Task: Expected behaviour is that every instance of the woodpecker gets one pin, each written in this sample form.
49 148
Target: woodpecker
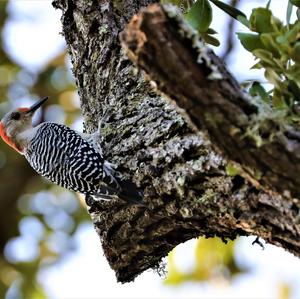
68 158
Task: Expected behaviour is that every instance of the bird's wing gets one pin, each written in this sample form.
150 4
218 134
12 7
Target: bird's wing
76 164
87 173
73 162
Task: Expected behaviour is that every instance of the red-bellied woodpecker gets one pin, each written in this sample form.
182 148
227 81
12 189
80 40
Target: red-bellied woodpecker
65 157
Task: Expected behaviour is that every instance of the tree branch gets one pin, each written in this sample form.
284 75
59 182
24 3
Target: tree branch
188 72
184 180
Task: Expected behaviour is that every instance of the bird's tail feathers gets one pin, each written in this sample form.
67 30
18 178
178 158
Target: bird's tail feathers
126 191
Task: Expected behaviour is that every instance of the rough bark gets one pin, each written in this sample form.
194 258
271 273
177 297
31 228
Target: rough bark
183 179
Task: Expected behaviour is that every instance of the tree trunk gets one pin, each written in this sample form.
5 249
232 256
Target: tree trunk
184 181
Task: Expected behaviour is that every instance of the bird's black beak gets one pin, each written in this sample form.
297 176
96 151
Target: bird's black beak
37 105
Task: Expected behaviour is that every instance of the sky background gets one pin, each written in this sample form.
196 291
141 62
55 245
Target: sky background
32 37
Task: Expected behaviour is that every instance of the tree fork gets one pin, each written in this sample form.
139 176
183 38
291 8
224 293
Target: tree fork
184 181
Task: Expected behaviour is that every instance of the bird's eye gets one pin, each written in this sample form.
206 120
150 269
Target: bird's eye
15 115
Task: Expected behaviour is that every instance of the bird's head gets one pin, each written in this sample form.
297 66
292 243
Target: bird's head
16 122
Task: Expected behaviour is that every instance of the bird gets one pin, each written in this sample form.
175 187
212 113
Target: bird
66 157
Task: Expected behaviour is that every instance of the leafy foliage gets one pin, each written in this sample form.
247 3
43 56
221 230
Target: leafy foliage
276 50
276 47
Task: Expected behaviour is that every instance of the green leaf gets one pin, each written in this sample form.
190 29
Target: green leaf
210 39
211 31
258 90
267 60
273 77
295 2
256 66
262 21
232 11
250 41
298 13
293 72
296 53
278 100
200 15
289 12
268 40
294 89
289 36
244 21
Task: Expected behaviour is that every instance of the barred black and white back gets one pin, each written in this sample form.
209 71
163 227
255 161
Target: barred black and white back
65 158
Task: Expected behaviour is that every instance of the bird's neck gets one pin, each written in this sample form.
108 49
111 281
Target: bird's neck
23 139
